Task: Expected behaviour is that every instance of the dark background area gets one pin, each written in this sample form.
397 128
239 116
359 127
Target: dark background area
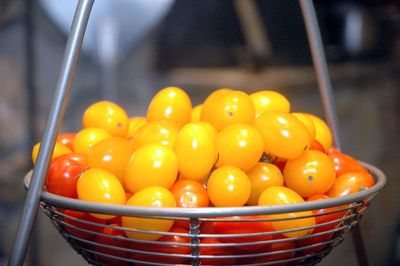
202 46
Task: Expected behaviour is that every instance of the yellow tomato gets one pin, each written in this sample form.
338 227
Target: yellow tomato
211 129
196 151
239 145
267 100
100 186
263 175
228 186
158 132
106 115
278 195
196 112
307 122
111 154
283 135
323 133
87 137
134 124
228 107
171 104
312 173
156 197
151 165
59 149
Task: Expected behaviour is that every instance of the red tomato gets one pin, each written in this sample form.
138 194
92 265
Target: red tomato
67 139
316 145
350 183
76 225
320 218
189 194
216 251
169 249
237 226
108 240
63 175
285 251
280 164
76 157
344 163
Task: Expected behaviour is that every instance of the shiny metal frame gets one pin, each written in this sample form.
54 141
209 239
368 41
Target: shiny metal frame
50 204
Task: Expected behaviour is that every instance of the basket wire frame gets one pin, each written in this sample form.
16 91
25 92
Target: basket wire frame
52 205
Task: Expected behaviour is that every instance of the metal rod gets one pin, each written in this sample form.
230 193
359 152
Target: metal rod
321 67
325 88
53 125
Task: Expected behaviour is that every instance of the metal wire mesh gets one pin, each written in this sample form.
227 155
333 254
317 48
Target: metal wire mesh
197 239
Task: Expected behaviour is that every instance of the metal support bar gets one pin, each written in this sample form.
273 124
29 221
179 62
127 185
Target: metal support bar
325 88
321 67
53 125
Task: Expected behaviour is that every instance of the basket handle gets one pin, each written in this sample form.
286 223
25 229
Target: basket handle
53 125
325 89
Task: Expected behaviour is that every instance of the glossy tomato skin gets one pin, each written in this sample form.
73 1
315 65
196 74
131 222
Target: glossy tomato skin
316 145
350 183
189 194
107 115
154 196
267 101
321 216
278 195
81 225
228 186
111 154
344 163
283 135
312 173
108 240
76 157
100 186
67 139
172 104
195 143
173 248
238 225
63 175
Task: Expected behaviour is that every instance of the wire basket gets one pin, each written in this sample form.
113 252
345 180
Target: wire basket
198 239
205 236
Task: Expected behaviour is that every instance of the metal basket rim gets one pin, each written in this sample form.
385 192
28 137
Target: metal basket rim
79 205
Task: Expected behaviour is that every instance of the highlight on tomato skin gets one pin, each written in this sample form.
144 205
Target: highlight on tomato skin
350 183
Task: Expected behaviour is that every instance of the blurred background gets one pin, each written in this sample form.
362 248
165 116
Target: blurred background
133 48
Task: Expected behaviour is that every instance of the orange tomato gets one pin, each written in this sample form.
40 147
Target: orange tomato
307 122
344 163
100 186
151 165
351 182
228 107
323 133
66 139
134 124
312 173
154 196
107 115
158 132
59 149
87 137
228 186
298 221
196 112
284 135
262 176
268 100
172 104
196 151
111 154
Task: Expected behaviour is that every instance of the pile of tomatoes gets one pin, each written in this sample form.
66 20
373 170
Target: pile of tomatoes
233 150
